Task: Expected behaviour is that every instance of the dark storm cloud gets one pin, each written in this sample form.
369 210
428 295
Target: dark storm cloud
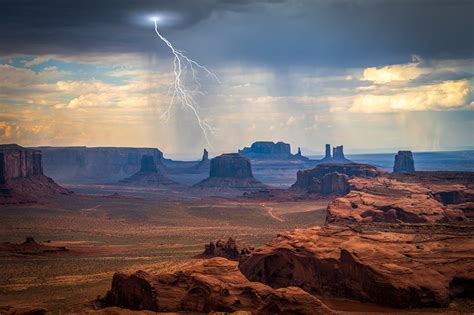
274 33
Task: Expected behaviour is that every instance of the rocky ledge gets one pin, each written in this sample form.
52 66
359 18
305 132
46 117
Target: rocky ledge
207 285
384 199
402 266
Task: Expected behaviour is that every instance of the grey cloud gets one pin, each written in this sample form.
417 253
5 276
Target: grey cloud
339 33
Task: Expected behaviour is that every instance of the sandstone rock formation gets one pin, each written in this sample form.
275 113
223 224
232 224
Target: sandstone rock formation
337 155
207 285
227 249
95 165
230 170
404 162
331 178
383 199
205 156
21 176
30 247
268 150
148 175
403 266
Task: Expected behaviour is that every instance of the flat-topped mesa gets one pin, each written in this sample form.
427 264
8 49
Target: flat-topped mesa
21 176
99 164
337 155
268 150
404 162
329 179
230 170
148 174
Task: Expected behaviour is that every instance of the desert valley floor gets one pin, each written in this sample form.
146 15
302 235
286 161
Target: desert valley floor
107 233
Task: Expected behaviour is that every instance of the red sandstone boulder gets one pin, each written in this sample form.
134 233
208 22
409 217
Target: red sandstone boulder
208 285
402 266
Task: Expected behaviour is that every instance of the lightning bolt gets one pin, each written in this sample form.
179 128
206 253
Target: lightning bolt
181 94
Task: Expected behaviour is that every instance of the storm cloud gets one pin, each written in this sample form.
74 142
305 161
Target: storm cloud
338 33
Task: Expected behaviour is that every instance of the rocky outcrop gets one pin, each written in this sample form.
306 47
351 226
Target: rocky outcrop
387 200
205 156
337 155
30 247
268 150
21 176
207 285
404 162
332 178
224 249
95 165
230 170
148 175
403 266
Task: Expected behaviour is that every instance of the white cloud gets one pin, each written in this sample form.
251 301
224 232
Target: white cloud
445 95
387 74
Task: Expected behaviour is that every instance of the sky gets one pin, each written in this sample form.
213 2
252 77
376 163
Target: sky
373 75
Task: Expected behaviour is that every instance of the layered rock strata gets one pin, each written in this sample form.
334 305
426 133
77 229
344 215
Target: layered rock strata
404 162
207 285
230 170
403 266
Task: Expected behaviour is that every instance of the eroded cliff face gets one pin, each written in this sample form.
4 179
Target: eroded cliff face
204 286
21 176
268 150
384 199
399 266
148 175
18 162
95 165
332 178
230 170
404 162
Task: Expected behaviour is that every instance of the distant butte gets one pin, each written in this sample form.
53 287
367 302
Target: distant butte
230 170
337 155
21 176
148 175
268 150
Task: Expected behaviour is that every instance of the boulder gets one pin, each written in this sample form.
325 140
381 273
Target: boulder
204 286
224 249
403 266
230 170
404 162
